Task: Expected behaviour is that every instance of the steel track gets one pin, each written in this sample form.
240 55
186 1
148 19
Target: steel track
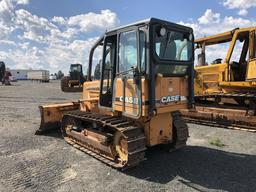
132 133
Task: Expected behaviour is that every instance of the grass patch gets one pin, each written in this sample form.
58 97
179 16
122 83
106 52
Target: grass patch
217 142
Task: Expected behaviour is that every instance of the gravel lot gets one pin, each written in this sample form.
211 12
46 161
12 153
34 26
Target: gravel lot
46 163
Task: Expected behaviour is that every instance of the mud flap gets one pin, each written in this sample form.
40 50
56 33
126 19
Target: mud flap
181 130
52 114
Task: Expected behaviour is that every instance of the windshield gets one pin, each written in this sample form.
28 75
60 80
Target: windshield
173 45
170 45
75 68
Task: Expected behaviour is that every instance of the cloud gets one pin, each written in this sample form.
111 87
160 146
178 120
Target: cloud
211 23
6 11
209 17
74 52
59 20
35 28
7 42
242 5
30 41
8 16
89 21
22 2
243 12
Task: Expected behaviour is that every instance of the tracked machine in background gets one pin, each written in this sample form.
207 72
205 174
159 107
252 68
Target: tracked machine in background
73 82
146 78
225 91
2 71
5 74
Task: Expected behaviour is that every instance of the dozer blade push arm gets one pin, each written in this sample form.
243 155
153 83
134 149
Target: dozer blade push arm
52 114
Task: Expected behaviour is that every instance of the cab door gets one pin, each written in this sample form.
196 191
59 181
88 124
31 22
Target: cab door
251 69
238 57
127 83
108 72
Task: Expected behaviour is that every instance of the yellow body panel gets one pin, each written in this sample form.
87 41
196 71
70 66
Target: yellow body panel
90 96
208 78
251 72
157 132
158 129
219 78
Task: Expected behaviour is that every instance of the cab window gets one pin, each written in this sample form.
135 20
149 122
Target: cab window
173 45
142 50
127 51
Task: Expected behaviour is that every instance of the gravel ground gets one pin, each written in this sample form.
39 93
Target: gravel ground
46 163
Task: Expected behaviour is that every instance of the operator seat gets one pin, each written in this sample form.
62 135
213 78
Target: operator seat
234 70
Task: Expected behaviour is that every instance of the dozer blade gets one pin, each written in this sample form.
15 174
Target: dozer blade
220 117
52 114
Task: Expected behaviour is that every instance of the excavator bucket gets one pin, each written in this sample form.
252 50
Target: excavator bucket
52 114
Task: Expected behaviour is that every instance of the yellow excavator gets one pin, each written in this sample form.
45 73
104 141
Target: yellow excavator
225 90
146 78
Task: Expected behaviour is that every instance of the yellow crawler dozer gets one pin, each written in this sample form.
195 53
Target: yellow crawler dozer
225 90
146 78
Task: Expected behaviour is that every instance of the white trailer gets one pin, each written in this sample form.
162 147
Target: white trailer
39 75
19 74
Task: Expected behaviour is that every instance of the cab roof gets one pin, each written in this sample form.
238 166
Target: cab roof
150 21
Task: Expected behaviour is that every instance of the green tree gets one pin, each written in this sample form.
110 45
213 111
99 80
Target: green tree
60 74
97 71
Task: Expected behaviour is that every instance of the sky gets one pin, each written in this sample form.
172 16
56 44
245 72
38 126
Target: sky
47 34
